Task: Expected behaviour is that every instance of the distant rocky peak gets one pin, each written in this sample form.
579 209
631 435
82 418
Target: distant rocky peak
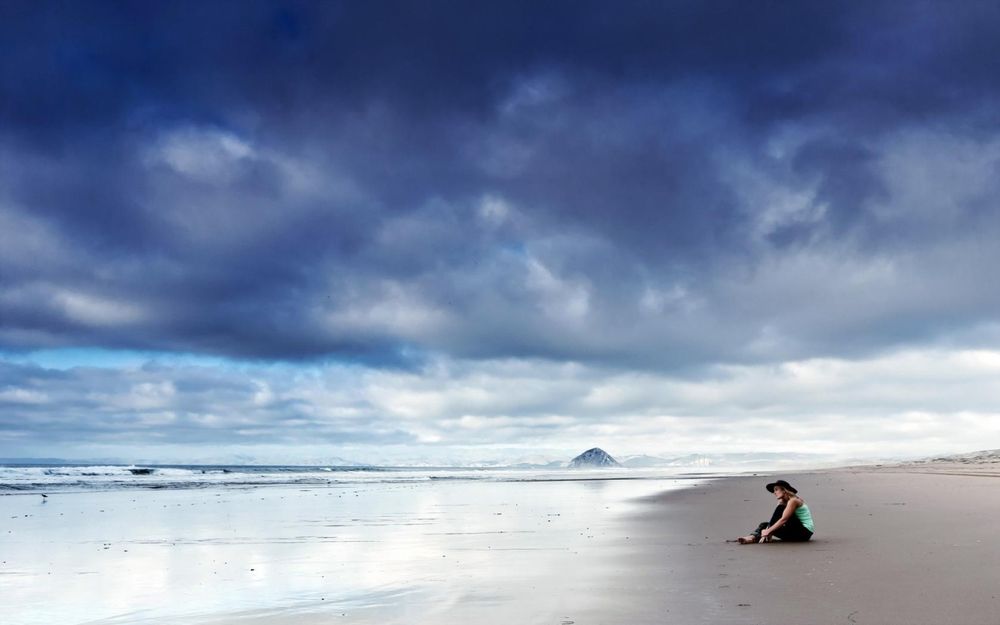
595 457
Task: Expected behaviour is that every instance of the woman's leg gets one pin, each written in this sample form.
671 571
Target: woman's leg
788 531
774 519
754 536
777 514
793 531
760 528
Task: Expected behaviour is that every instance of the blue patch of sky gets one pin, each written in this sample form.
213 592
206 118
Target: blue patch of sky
65 359
70 358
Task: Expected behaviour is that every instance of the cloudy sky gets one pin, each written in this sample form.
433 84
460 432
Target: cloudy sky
453 231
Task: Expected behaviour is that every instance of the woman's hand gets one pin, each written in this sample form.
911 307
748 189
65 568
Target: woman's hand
765 536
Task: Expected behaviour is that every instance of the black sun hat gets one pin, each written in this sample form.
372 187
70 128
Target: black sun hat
783 484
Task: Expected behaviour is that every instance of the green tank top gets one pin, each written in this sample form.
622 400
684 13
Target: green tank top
802 512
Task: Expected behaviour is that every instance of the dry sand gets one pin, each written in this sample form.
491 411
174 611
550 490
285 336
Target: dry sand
902 545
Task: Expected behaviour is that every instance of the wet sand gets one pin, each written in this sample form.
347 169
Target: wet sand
896 545
436 551
905 545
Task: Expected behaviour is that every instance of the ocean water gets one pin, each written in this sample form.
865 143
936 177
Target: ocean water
77 478
309 544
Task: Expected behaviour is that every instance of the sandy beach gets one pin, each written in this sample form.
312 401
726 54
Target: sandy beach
904 545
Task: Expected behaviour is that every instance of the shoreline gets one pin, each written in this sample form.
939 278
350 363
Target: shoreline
436 551
893 545
899 544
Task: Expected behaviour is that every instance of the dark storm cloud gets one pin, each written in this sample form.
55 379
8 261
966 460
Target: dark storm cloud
77 66
644 184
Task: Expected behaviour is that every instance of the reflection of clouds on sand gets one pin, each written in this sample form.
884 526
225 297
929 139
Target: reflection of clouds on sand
386 553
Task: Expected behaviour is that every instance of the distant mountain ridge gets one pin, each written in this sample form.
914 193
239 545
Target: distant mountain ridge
595 457
985 456
748 459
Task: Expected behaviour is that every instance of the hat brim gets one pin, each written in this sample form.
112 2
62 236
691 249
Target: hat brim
784 485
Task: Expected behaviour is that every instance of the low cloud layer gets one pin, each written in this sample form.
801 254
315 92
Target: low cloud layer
659 190
902 404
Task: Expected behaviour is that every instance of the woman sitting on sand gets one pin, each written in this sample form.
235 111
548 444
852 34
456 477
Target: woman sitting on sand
790 522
